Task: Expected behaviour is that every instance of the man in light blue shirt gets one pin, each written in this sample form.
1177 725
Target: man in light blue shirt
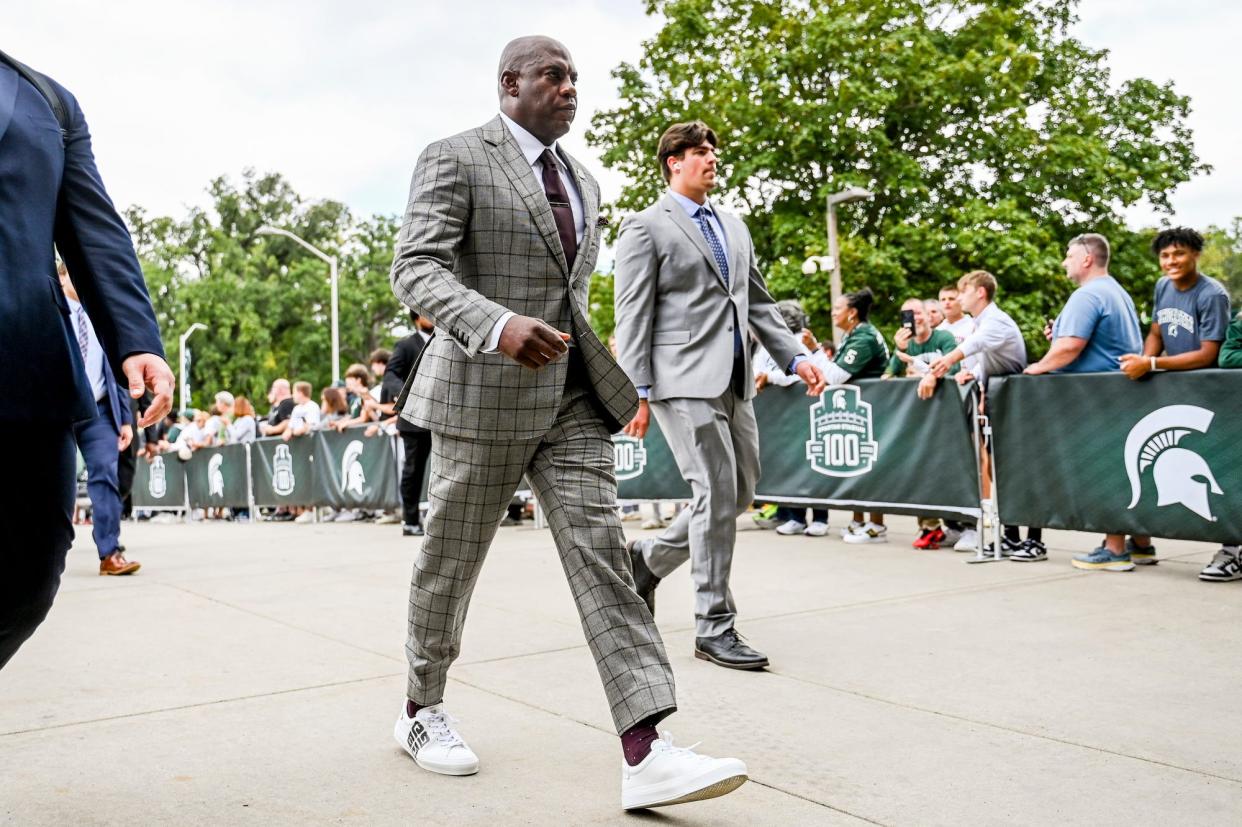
1099 324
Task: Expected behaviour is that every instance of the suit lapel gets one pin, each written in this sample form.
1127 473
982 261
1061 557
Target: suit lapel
584 262
520 174
739 267
692 232
8 97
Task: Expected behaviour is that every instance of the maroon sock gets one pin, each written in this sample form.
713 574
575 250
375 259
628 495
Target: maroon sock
636 742
411 708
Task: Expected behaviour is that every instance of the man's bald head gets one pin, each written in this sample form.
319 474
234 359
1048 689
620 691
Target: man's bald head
537 82
524 53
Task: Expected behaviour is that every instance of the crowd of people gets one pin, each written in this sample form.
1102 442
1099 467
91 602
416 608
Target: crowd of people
964 335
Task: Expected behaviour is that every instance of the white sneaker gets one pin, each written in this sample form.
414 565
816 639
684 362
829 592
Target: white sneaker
816 529
677 775
434 744
851 528
790 528
346 515
650 524
969 541
307 516
951 536
328 515
869 533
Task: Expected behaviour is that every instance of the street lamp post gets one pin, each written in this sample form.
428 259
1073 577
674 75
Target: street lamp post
331 260
185 371
833 259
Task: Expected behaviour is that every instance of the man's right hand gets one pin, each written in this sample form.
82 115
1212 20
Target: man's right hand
532 343
641 421
902 338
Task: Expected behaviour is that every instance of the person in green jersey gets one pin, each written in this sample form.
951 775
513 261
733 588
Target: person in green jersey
863 355
915 351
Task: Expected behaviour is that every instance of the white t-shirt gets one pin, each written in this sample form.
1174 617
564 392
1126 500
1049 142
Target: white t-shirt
191 435
307 412
960 329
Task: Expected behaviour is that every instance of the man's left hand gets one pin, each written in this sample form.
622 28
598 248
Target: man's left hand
147 371
126 436
1135 366
1035 369
811 375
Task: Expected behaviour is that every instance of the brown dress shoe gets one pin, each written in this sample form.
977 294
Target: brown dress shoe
115 563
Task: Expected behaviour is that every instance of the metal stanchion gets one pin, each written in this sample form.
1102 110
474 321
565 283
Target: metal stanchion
987 505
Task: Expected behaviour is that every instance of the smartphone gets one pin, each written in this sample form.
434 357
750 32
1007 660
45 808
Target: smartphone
907 320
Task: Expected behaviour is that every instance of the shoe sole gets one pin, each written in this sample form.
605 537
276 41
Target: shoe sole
1145 561
713 790
866 542
1028 559
130 569
1221 579
748 667
1078 564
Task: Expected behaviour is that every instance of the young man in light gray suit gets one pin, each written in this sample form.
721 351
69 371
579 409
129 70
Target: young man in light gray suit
688 296
497 248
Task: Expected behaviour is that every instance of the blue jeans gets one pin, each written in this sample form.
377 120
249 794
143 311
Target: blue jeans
97 442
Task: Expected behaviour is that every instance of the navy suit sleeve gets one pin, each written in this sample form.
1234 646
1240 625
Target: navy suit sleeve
96 247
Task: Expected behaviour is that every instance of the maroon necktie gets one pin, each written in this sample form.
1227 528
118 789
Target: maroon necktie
562 212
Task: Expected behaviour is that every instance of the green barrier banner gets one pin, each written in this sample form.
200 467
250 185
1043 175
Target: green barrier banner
218 477
353 471
1102 453
283 473
159 483
873 445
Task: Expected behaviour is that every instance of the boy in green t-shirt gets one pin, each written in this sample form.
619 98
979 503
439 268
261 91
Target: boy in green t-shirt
921 347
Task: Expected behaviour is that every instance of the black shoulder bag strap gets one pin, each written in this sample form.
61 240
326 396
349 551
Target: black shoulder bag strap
45 88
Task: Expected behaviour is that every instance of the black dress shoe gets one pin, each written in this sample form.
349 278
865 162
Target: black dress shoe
415 530
727 649
644 581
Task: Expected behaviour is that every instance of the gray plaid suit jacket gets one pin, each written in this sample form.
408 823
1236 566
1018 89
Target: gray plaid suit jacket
479 239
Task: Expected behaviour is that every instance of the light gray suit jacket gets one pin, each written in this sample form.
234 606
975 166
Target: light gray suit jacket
674 315
479 239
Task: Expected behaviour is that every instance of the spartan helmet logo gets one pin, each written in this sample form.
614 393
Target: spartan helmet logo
1181 475
352 475
215 477
158 485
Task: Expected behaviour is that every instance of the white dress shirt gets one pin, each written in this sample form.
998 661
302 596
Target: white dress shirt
532 148
996 344
94 351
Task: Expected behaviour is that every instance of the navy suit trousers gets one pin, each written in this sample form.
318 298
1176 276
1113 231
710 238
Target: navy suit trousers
36 508
97 442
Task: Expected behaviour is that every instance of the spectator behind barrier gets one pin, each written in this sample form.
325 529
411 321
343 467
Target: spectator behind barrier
379 364
1231 350
863 355
216 428
1095 329
1190 320
332 407
358 397
192 436
242 428
305 416
935 313
996 348
1098 325
281 399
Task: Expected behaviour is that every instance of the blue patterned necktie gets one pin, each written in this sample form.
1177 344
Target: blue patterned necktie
84 338
713 241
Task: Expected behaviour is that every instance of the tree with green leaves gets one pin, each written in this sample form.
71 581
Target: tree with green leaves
988 133
266 300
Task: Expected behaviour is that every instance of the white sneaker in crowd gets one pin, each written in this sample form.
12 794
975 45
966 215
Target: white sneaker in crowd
677 775
969 541
851 528
791 527
869 533
652 523
387 518
816 529
346 515
307 516
951 536
328 515
434 743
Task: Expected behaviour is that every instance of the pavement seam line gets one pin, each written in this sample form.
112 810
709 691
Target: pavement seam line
201 704
1004 728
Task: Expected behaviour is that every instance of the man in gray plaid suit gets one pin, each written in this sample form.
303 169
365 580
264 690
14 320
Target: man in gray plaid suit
498 244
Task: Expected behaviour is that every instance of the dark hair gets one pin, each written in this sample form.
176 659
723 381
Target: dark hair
414 317
381 355
861 300
359 372
335 400
678 138
1177 237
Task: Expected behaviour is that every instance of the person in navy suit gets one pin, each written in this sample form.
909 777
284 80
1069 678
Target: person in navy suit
52 199
101 438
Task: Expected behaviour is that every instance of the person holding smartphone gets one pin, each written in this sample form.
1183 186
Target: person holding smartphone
917 343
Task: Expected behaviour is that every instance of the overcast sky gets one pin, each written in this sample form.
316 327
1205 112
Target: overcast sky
341 96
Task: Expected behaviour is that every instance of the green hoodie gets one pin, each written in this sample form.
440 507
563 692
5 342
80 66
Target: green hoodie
1231 350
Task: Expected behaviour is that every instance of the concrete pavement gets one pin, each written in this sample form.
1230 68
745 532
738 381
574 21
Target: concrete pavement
250 674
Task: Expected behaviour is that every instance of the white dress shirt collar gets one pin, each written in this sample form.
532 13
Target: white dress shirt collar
531 146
